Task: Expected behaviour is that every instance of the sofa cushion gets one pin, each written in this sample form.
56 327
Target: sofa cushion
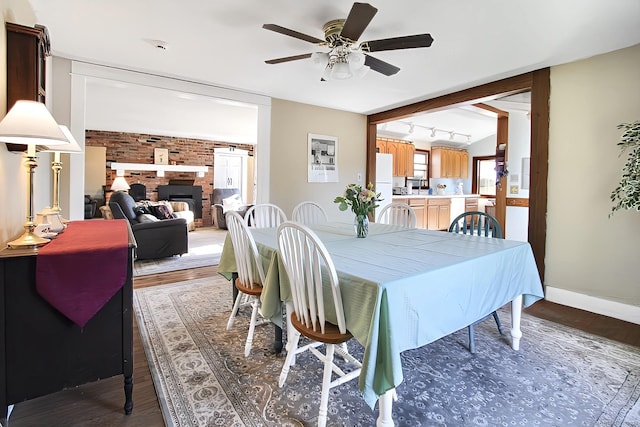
232 203
141 209
147 218
160 211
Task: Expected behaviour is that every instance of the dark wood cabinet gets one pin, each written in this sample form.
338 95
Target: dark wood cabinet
27 49
42 351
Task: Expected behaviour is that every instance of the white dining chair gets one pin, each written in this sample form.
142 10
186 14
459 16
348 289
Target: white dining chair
264 215
249 268
307 262
477 223
309 213
398 213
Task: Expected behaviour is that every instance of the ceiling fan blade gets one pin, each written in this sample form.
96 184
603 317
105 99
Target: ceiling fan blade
406 42
380 66
288 58
292 33
359 17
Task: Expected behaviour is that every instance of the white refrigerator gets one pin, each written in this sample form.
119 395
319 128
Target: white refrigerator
384 179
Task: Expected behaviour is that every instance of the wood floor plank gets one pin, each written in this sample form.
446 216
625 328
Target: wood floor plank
101 403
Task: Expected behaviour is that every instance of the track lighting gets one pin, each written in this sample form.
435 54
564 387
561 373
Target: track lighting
433 130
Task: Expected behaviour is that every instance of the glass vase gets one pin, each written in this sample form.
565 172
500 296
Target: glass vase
361 225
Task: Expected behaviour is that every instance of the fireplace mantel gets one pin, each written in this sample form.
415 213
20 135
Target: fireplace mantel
120 168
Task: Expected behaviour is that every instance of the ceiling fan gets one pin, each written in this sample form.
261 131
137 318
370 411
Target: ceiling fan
347 57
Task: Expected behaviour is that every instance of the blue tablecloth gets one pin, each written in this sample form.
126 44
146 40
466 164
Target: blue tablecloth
404 288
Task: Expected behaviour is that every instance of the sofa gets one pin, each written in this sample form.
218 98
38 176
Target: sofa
223 199
181 210
155 238
89 206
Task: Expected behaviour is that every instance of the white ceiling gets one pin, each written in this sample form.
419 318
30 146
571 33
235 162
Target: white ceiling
222 43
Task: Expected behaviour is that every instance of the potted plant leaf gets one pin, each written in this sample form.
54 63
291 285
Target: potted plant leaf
627 194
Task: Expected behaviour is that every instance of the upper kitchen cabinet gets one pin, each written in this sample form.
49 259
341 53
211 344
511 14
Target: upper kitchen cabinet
402 153
449 163
27 49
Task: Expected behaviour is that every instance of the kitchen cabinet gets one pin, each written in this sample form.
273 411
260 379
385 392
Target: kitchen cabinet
470 204
438 213
419 206
27 49
402 153
449 163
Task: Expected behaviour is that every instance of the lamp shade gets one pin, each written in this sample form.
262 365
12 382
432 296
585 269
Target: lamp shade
71 146
29 122
119 184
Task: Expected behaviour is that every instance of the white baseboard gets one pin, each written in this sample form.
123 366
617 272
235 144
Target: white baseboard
629 313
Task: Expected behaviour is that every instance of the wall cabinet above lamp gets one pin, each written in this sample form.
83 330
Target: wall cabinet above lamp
449 163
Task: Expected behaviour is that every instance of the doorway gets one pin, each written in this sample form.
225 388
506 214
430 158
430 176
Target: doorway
538 83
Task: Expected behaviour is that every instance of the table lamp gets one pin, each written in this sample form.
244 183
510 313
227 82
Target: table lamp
30 123
120 184
53 214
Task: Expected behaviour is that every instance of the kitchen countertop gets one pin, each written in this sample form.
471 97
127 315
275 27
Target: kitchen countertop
435 196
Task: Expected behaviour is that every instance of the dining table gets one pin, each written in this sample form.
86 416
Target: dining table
403 288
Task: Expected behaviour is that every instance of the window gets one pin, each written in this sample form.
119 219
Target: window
420 169
484 176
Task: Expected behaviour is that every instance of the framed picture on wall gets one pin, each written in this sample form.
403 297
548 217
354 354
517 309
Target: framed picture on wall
161 156
322 158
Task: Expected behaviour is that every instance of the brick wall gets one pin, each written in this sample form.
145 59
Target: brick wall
138 148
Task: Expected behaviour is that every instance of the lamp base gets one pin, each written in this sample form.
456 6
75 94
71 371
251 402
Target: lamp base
52 216
28 240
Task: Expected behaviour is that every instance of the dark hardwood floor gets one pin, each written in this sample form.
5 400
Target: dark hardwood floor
101 403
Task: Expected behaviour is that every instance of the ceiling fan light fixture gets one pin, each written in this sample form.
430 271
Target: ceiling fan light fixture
341 71
356 60
320 58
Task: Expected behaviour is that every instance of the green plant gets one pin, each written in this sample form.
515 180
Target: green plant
362 200
627 194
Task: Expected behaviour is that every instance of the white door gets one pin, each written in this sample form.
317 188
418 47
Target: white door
227 171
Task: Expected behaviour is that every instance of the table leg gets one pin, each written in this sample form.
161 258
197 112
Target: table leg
385 405
277 339
516 313
234 290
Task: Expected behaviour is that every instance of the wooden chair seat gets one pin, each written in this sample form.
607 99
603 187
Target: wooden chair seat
331 333
256 290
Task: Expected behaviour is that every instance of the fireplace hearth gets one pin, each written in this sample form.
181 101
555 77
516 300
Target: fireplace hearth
192 194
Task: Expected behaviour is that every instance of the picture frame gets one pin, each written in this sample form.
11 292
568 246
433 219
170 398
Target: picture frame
322 158
161 156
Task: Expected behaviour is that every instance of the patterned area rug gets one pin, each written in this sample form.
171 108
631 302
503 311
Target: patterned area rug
205 247
560 377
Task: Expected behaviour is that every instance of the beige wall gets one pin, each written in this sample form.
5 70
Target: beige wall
94 174
290 124
587 252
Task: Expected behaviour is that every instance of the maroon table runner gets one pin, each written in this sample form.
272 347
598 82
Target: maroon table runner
83 267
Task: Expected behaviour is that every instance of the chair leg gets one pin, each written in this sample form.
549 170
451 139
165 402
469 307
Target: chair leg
326 382
234 311
472 345
292 345
252 326
497 319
